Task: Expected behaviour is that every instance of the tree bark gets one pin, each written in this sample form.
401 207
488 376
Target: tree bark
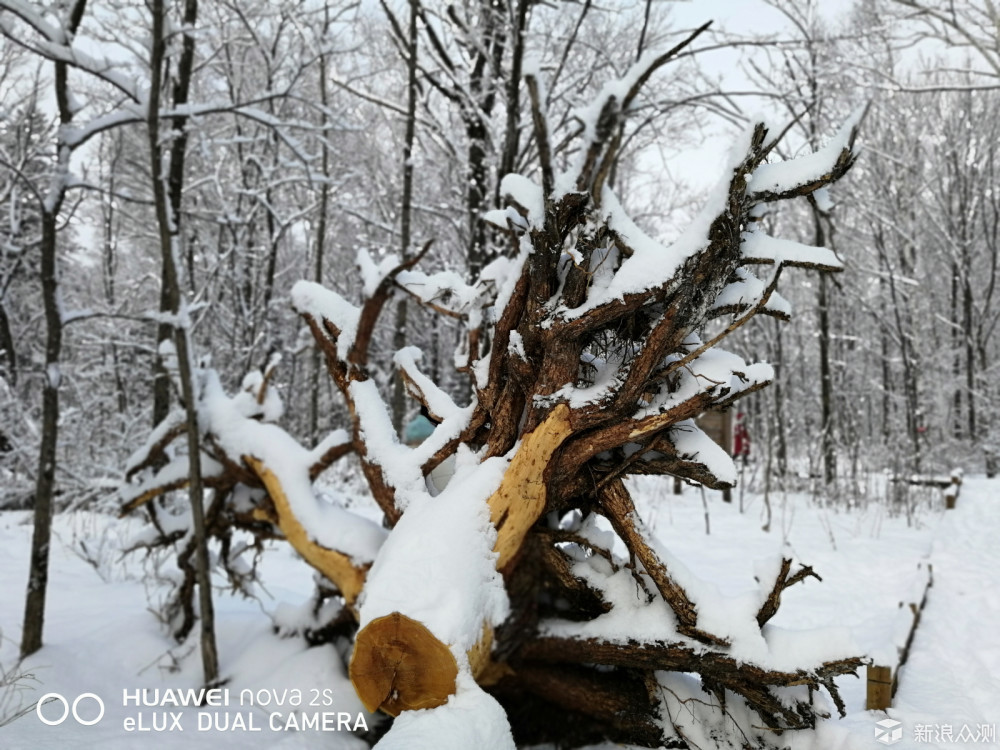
167 195
970 355
321 223
780 427
34 606
828 444
8 356
512 132
476 112
406 209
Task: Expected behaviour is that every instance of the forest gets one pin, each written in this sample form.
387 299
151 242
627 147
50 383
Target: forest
368 340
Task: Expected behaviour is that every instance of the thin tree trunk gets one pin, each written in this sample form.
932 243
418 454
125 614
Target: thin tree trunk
406 211
161 379
167 193
956 362
512 134
34 609
8 356
475 130
34 605
886 373
110 267
482 90
324 205
991 456
904 326
781 430
910 386
970 354
825 373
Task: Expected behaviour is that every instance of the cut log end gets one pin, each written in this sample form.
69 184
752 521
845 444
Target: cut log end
399 665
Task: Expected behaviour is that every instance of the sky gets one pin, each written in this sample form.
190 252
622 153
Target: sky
702 167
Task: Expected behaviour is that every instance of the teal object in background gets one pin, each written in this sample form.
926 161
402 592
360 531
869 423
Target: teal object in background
418 430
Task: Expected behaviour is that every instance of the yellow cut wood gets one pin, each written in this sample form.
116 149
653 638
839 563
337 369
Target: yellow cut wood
520 499
398 664
338 567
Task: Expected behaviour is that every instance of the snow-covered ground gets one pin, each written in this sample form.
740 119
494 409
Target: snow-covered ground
951 684
101 637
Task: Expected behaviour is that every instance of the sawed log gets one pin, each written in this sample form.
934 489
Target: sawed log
398 663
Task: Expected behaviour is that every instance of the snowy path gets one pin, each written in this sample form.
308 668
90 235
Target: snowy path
951 683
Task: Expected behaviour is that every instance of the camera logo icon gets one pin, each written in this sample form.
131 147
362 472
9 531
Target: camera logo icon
888 731
51 697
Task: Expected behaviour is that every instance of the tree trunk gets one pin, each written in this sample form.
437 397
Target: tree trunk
970 355
512 130
321 222
167 195
161 378
110 267
34 606
34 609
780 427
406 209
829 449
419 673
482 92
8 356
956 356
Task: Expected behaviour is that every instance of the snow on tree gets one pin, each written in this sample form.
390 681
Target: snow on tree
500 598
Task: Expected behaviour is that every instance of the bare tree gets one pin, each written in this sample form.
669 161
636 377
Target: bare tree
167 173
51 205
406 206
972 26
805 77
26 142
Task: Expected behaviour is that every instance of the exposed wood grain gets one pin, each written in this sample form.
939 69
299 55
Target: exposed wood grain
338 567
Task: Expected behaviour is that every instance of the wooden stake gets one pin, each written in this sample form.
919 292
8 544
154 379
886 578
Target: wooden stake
951 493
879 688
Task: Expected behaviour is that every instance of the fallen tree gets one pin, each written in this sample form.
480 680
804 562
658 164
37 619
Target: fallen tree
591 348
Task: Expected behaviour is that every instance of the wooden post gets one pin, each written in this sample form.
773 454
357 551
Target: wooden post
883 681
951 493
879 688
950 486
718 425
